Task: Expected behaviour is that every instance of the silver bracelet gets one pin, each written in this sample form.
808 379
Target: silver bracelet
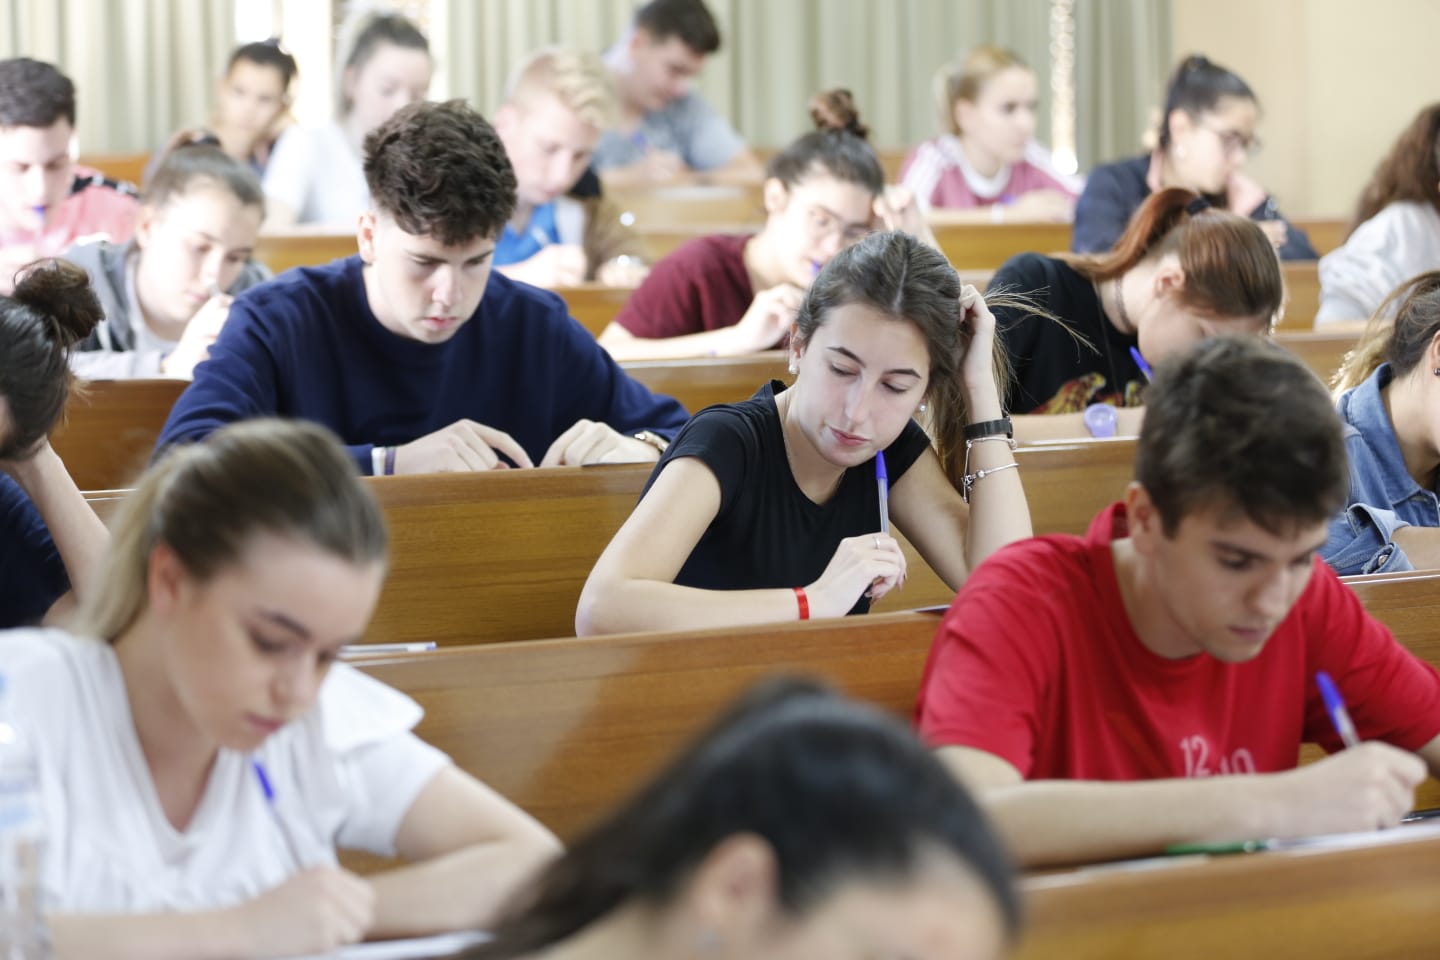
993 436
970 479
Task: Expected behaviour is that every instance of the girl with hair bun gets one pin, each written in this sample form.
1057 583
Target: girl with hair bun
202 756
799 825
1182 270
768 510
1206 135
167 292
986 167
730 294
1390 405
50 539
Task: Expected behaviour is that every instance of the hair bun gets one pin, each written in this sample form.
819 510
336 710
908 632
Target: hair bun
60 291
835 110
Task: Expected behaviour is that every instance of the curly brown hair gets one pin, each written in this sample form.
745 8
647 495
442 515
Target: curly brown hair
1409 172
441 171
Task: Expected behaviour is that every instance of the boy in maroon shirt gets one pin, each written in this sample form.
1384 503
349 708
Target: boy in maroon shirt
1151 683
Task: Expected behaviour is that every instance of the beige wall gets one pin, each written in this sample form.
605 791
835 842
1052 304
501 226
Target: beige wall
1338 79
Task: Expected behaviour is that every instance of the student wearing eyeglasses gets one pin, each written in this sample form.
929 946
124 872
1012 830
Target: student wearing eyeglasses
1206 135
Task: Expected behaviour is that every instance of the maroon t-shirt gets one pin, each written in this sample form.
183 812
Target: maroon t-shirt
701 286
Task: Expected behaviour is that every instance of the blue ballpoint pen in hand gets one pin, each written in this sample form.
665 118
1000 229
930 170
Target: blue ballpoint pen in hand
268 789
1335 706
882 484
1140 362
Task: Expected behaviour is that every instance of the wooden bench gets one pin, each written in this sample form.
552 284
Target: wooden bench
693 205
129 167
110 428
302 246
567 727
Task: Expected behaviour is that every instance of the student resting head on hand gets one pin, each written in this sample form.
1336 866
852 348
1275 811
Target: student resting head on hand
768 510
986 165
733 294
50 539
1183 270
202 754
167 292
1206 135
1391 410
252 101
799 825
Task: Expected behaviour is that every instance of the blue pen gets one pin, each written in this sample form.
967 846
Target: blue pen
1140 362
269 791
882 484
1335 706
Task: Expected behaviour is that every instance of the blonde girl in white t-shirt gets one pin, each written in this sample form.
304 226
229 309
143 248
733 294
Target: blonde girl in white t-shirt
202 761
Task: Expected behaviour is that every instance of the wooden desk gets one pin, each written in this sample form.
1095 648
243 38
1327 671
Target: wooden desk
129 167
1302 290
303 247
1377 903
703 381
110 429
1326 233
594 305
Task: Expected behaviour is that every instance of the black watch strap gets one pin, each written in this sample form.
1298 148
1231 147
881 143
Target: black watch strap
990 428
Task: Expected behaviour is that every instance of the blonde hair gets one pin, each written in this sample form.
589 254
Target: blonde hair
1399 332
965 79
207 501
578 78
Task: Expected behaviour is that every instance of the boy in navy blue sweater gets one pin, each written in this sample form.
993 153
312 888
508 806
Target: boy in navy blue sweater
418 356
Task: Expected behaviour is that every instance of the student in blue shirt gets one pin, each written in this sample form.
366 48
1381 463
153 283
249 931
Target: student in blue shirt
418 356
50 539
1391 410
558 103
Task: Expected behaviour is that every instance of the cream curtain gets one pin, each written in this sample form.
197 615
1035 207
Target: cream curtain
778 52
142 68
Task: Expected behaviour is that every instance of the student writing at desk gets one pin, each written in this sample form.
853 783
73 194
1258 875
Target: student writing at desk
769 510
1182 270
202 755
799 825
727 294
1151 683
413 351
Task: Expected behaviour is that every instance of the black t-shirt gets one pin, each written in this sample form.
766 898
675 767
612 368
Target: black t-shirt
1055 372
767 532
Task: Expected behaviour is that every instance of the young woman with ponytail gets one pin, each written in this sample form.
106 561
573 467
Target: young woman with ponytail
202 755
1183 270
1206 136
1391 408
733 293
767 510
50 540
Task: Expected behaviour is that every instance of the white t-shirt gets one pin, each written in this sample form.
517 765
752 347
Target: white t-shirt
344 775
316 172
1400 241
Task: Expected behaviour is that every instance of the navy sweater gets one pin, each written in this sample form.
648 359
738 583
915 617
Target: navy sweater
1116 190
31 571
306 345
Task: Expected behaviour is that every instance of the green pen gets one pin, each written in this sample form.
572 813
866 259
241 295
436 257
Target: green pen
1219 848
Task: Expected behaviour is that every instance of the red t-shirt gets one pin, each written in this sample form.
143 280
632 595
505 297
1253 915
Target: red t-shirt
1037 663
96 209
701 286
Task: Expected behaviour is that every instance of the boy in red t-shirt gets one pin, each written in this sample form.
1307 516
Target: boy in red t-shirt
1177 643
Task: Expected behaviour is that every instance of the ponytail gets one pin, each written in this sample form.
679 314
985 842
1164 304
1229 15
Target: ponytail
1401 342
1231 268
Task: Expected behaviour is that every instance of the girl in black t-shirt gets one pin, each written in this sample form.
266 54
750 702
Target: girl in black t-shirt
1182 271
769 510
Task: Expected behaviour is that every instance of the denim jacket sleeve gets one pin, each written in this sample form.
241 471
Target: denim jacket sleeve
1362 540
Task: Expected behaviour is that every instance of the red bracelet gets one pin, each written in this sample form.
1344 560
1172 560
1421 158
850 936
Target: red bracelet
803 602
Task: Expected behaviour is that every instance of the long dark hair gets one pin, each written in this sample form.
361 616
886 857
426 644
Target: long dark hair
1409 172
1197 86
52 309
837 790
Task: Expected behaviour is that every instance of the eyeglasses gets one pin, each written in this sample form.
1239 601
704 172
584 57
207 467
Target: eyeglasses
823 225
1233 141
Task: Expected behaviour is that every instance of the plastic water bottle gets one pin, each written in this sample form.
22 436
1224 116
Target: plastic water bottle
22 845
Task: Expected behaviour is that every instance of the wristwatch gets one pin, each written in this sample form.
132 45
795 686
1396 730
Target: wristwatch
654 439
1101 419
